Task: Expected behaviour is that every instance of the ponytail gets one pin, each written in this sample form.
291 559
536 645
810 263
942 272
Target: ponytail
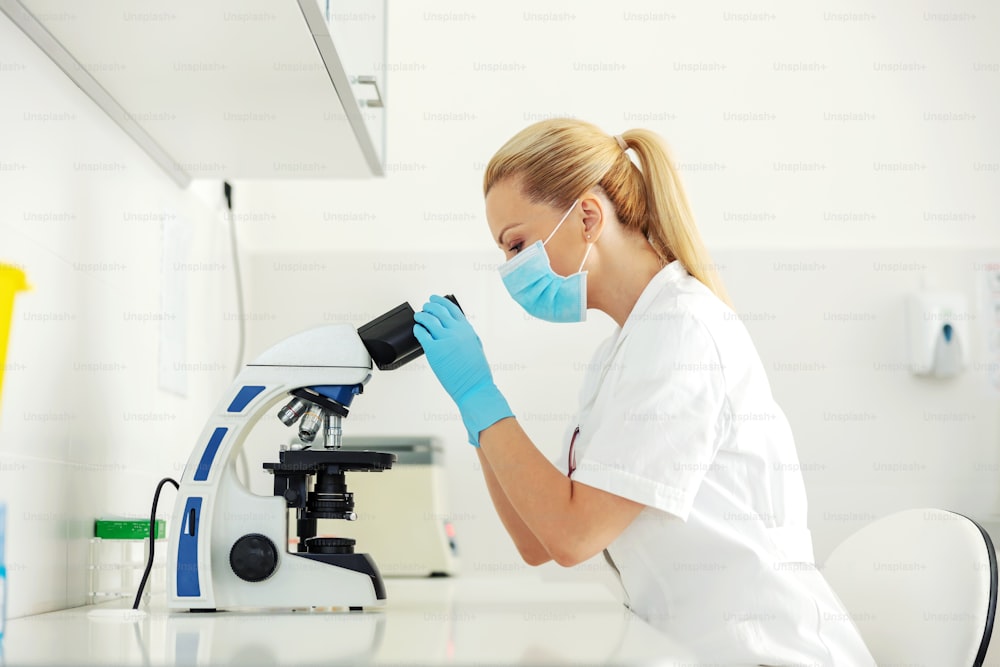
557 160
672 229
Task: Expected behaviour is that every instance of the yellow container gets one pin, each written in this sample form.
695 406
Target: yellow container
12 281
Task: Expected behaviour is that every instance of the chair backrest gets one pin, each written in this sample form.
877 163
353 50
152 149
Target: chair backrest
921 585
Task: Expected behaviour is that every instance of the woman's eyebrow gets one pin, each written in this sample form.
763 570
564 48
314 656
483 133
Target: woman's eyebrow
504 231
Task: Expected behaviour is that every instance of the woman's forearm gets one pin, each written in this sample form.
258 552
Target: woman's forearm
530 548
572 521
534 490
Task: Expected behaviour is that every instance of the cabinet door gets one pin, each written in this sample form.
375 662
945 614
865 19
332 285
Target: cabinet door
221 88
358 29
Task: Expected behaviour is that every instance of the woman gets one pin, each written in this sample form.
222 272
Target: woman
679 466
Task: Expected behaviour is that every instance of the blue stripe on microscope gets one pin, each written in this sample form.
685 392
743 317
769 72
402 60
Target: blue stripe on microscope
187 551
208 456
245 395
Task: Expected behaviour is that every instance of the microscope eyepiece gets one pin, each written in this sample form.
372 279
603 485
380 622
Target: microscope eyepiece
389 337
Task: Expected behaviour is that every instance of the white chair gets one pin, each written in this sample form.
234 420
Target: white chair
921 585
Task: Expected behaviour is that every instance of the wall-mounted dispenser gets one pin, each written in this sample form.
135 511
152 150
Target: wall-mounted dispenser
937 323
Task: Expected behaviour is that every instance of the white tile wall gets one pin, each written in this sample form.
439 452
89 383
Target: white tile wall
85 430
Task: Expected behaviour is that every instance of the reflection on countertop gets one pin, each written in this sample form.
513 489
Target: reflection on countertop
512 620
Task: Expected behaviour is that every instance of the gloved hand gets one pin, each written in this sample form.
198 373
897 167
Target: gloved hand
456 356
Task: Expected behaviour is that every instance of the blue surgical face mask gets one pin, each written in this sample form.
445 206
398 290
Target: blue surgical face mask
542 292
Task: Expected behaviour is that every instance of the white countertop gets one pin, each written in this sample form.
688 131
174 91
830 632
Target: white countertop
455 621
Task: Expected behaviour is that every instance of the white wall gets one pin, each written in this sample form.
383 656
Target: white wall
843 135
86 430
890 124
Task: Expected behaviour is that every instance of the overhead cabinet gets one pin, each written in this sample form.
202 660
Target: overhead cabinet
259 89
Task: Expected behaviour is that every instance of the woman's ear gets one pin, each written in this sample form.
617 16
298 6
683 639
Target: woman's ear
594 216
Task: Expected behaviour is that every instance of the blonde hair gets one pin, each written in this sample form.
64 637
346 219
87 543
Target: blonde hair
557 160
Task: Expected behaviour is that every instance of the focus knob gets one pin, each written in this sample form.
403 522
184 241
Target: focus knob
253 557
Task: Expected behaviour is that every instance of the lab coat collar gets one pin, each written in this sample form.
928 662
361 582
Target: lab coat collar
671 273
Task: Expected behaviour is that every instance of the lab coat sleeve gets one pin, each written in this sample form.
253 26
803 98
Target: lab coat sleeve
659 418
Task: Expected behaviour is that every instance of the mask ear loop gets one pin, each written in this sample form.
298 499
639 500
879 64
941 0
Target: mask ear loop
590 246
562 220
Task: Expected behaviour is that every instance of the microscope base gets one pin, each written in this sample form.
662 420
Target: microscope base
357 562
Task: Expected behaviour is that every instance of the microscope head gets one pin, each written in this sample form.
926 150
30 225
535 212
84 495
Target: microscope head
387 340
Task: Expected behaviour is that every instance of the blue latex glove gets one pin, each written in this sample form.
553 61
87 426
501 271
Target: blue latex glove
456 356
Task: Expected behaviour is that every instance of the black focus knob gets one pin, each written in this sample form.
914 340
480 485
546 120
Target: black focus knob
253 557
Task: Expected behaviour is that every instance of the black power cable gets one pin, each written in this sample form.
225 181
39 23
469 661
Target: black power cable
227 191
152 537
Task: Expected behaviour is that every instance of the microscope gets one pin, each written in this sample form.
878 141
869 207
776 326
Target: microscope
228 547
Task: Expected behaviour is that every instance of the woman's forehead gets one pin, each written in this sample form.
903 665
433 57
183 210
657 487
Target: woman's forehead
504 201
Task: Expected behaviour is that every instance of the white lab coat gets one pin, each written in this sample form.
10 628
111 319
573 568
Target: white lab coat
677 414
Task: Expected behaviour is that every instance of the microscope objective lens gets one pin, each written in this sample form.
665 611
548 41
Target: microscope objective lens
334 431
311 423
291 412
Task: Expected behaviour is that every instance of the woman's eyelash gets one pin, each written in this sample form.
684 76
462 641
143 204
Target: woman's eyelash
516 247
